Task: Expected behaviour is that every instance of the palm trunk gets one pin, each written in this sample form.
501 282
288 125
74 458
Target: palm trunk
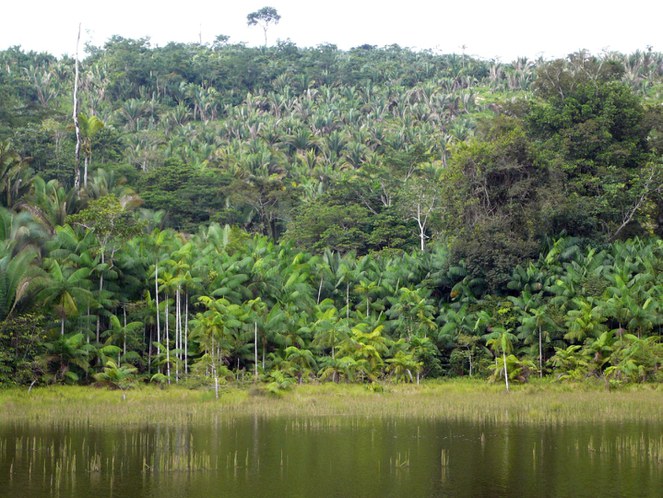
178 325
422 230
470 358
166 341
540 354
101 288
320 289
186 333
506 374
86 161
255 350
124 335
156 300
148 338
77 153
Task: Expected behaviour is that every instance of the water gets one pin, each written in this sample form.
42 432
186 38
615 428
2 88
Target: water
332 457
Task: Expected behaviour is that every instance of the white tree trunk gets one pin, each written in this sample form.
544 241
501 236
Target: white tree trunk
506 374
77 173
255 350
540 354
186 333
166 341
156 300
178 326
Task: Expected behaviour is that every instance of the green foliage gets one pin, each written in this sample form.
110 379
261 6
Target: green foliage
345 216
189 196
118 377
21 345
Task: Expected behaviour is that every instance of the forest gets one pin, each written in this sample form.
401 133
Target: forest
205 214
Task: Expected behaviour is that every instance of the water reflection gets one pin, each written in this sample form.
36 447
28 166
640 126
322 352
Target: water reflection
331 457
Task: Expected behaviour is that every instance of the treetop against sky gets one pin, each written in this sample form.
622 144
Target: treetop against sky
504 30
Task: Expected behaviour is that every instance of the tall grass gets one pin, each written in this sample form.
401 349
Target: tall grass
538 403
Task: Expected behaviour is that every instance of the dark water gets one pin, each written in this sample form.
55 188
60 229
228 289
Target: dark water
252 457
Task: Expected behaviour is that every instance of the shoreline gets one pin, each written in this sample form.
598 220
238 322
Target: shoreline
534 403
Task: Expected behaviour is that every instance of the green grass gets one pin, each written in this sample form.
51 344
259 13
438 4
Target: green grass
535 403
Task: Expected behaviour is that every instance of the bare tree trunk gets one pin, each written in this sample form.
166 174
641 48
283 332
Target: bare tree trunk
178 326
166 340
320 290
186 333
470 358
86 161
506 374
422 229
101 289
540 354
156 300
77 174
255 350
124 336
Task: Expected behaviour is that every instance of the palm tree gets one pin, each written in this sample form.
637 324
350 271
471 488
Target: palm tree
536 320
500 341
17 274
68 356
49 203
302 361
15 175
90 126
64 288
120 333
403 364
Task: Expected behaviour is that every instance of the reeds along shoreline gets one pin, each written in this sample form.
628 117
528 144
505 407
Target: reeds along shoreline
455 400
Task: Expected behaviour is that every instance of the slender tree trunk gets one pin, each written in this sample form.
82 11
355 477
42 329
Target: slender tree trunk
166 341
86 161
333 341
470 358
101 288
124 335
178 325
77 173
422 229
149 349
216 378
320 289
540 354
186 333
156 300
347 300
506 374
255 350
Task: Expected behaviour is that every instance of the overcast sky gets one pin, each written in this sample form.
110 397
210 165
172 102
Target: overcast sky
500 29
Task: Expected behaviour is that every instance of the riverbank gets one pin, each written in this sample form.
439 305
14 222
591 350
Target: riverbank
535 403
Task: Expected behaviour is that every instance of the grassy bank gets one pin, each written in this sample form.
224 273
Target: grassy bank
536 403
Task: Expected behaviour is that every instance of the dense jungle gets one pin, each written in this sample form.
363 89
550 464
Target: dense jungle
211 214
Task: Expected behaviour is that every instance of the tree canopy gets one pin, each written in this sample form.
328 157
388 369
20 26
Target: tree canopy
297 214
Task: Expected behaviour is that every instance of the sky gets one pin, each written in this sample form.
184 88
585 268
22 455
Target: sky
489 29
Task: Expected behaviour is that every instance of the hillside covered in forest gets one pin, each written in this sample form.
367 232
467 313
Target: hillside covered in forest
313 214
